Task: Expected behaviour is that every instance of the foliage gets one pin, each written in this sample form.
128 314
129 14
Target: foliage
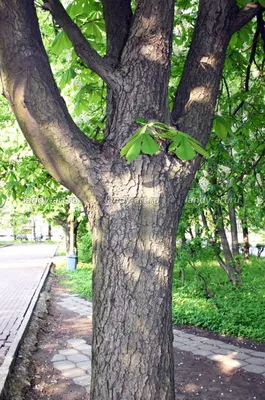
237 311
146 138
84 242
78 281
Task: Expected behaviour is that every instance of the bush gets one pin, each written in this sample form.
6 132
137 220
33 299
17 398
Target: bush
84 242
84 246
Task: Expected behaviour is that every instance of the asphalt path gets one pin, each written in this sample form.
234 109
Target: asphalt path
27 252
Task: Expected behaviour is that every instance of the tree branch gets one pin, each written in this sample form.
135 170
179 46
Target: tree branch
198 90
118 17
261 29
82 47
245 15
28 84
251 59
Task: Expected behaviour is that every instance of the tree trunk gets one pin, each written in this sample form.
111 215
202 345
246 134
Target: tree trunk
49 231
66 237
134 208
34 230
234 233
244 223
229 266
134 239
245 239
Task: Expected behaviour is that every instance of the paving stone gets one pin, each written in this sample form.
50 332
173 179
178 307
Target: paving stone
256 361
74 373
240 356
82 347
181 347
82 380
78 358
257 353
68 352
87 352
257 369
234 363
87 388
58 357
218 357
207 347
64 365
216 343
76 342
190 348
228 346
86 365
218 350
204 353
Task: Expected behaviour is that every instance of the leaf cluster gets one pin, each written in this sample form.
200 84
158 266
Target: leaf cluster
146 140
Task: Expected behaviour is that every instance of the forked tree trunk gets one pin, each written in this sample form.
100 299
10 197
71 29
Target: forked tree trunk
134 240
133 209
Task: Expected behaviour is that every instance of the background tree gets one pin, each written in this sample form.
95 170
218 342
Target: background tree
133 208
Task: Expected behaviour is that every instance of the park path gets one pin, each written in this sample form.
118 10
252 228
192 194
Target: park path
22 268
74 360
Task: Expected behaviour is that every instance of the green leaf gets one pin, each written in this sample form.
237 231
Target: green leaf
61 43
134 150
200 150
174 145
134 137
67 77
185 151
262 3
149 145
221 127
141 121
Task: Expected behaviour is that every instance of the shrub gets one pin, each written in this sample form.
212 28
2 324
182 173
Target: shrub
84 242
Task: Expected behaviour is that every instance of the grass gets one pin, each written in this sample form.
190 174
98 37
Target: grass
79 281
237 311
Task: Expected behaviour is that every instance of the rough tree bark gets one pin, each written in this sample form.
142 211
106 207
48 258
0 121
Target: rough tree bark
133 209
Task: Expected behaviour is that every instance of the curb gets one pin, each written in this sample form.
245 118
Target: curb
6 245
10 358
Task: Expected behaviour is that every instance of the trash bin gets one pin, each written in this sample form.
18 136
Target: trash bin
71 261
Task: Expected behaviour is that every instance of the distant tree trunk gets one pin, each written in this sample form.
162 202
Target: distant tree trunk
34 230
244 223
49 231
245 239
229 265
234 232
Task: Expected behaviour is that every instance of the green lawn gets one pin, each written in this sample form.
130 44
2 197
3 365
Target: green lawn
237 311
79 281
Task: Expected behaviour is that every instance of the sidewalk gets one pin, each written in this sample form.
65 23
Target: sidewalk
20 284
231 357
205 369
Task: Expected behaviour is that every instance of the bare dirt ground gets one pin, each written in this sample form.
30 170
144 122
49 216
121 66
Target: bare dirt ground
196 377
